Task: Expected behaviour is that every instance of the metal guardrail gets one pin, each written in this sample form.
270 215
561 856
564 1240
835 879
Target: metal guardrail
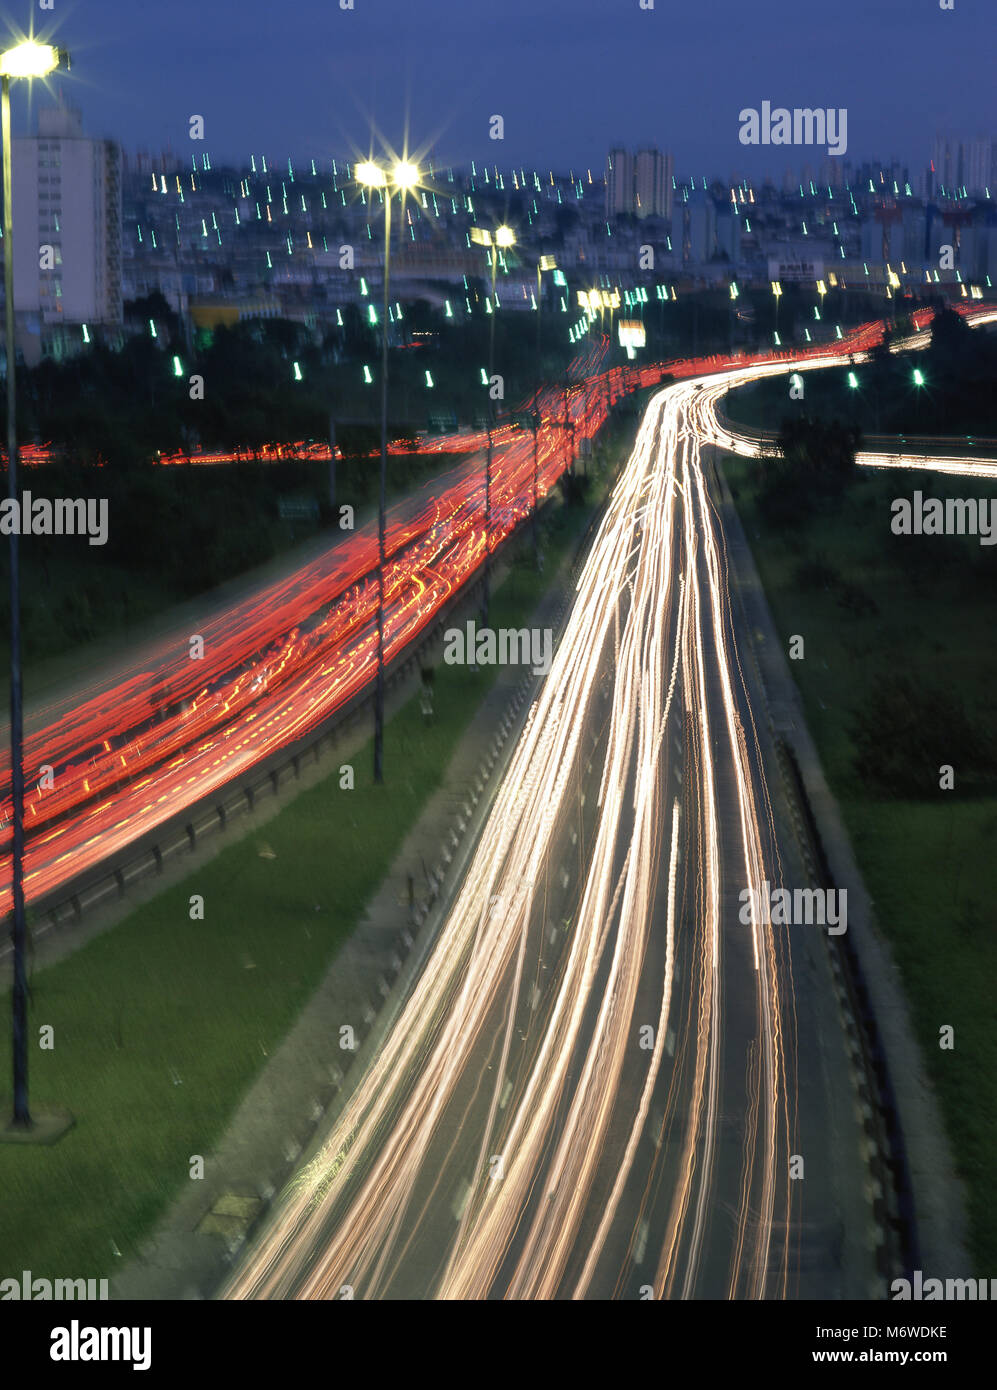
877 443
894 1207
882 1123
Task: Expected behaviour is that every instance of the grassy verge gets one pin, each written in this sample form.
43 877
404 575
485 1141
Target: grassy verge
162 1024
928 863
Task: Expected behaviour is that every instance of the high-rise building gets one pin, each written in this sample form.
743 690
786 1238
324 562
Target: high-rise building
979 164
728 232
832 175
915 234
948 161
67 225
641 184
619 182
882 237
980 252
961 165
653 183
144 162
699 230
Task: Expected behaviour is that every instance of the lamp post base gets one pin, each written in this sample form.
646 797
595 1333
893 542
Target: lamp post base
48 1124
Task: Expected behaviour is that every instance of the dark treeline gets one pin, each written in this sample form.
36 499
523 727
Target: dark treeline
955 397
174 533
178 531
126 406
812 470
959 367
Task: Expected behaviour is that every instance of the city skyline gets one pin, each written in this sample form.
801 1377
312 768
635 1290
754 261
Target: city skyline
497 782
589 81
952 155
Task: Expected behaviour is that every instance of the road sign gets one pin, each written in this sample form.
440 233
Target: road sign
297 508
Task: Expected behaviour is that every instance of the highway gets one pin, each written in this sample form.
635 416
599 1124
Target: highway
130 748
597 1083
133 746
599 1080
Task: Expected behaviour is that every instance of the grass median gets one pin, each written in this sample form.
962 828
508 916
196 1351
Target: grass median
871 606
162 1023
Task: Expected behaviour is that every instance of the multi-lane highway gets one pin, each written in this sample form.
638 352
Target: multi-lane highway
139 744
602 1076
599 1082
605 1083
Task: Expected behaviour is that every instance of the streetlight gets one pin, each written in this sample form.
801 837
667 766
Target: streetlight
777 291
918 378
544 263
401 177
892 285
855 385
502 237
28 59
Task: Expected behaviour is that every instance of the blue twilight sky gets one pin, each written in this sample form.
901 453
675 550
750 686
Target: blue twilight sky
569 77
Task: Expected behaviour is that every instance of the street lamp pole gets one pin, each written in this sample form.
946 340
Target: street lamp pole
486 584
379 682
26 60
404 175
544 263
502 237
19 996
536 427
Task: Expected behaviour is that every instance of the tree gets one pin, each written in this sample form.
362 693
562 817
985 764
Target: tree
814 465
905 731
952 339
152 306
823 452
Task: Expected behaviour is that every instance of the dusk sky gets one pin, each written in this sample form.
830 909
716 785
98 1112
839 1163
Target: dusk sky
569 77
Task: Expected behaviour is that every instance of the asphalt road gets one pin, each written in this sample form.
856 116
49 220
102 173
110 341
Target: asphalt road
603 1078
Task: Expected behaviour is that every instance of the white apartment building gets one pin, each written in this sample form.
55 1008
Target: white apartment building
653 183
619 182
67 229
640 184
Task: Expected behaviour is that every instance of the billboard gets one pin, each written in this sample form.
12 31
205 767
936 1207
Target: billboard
632 333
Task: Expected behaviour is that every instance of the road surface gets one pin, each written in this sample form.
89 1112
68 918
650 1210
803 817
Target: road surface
602 1080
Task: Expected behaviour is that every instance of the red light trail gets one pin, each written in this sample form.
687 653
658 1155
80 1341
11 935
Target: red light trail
152 740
